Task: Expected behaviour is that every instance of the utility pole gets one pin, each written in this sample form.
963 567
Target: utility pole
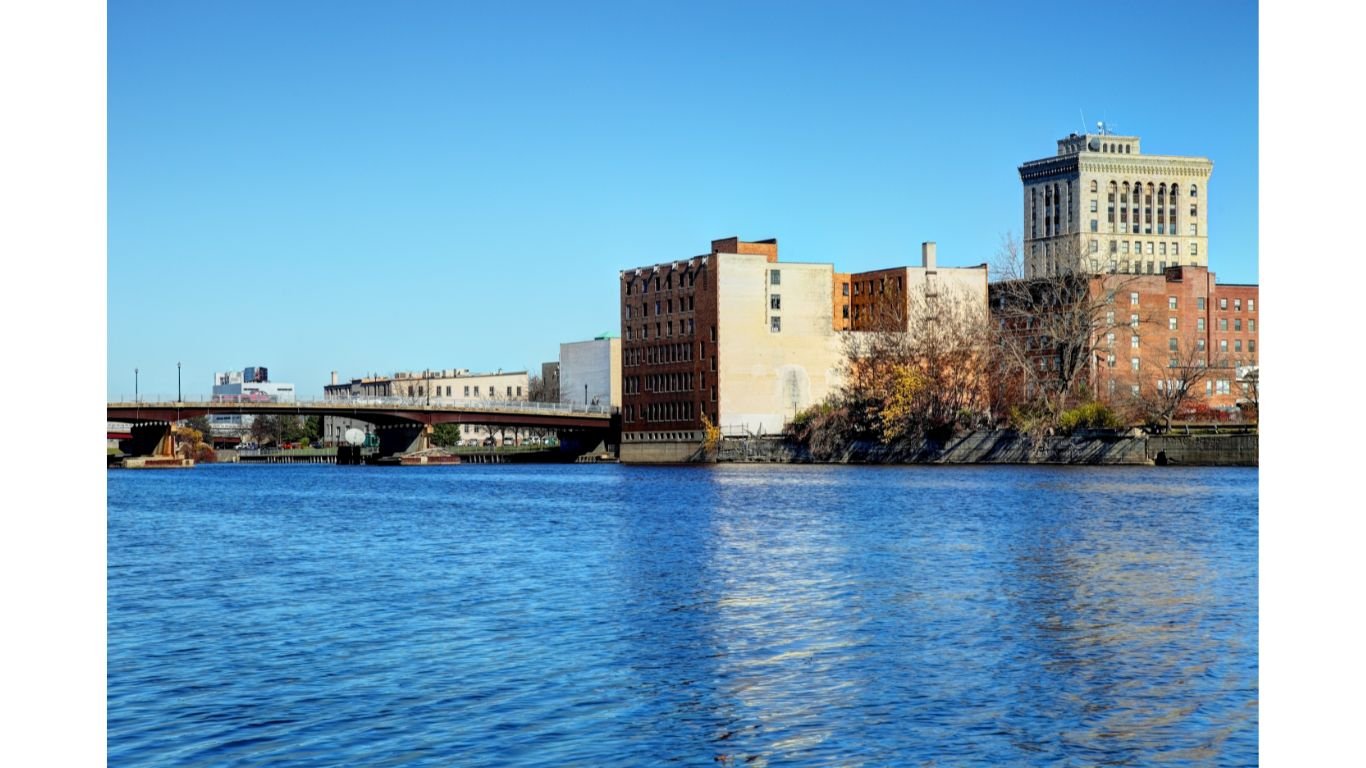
178 397
135 385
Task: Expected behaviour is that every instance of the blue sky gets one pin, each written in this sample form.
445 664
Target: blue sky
388 186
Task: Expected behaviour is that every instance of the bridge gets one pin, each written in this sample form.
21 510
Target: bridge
403 424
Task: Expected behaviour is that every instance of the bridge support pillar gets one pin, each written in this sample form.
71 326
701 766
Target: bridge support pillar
149 439
403 438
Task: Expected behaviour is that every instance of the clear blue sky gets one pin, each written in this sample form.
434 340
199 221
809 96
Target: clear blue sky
389 186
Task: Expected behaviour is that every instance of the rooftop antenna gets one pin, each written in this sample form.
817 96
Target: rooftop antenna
1100 126
1083 120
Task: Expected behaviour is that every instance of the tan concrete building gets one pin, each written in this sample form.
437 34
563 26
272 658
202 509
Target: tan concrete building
739 339
1100 206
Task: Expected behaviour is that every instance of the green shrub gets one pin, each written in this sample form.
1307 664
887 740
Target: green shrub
1092 415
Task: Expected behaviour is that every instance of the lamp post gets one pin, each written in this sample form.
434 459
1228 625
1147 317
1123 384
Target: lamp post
135 385
178 397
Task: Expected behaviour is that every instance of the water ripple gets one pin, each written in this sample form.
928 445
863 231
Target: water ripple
747 616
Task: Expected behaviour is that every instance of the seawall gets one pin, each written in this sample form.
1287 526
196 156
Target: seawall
979 447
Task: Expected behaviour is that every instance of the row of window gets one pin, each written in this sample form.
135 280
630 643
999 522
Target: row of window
1199 304
681 410
421 391
662 330
666 307
664 353
685 280
663 382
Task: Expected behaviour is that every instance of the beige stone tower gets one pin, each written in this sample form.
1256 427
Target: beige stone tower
1101 206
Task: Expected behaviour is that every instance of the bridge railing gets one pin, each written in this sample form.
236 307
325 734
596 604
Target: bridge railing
519 406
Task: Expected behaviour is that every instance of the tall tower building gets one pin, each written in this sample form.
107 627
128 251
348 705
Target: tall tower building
1101 206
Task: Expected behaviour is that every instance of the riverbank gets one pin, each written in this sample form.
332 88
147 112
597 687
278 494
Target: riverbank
1000 447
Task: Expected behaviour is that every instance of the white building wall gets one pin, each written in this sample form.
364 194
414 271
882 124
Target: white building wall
764 377
591 370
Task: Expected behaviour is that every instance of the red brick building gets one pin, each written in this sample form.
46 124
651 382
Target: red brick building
1152 325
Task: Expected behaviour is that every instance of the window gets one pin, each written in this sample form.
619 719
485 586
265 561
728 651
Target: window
775 301
1095 206
1171 302
1133 299
1193 193
775 277
775 324
467 390
1200 345
1109 339
1171 345
1237 323
1110 360
1194 208
1114 248
1223 323
1162 249
1171 323
476 392
1200 302
1237 345
1095 244
1221 387
1133 390
1133 320
1124 248
1095 187
1251 345
1199 323
509 391
1223 303
1133 342
1109 318
1095 226
1252 305
1133 363
1251 326
1223 345
845 288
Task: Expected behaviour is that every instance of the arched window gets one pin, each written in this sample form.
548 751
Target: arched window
1194 193
1095 186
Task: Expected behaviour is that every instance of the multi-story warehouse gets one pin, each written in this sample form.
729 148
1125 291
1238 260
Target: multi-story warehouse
739 340
1101 206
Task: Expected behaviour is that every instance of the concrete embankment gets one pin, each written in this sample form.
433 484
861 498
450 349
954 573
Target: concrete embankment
983 447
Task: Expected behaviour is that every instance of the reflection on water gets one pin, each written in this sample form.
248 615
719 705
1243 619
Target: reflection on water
603 615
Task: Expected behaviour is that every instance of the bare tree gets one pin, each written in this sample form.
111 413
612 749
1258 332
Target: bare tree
539 391
1047 332
1170 382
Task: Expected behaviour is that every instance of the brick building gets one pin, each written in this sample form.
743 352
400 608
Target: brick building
738 339
1151 326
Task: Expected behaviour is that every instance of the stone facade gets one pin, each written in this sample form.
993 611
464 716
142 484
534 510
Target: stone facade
1100 206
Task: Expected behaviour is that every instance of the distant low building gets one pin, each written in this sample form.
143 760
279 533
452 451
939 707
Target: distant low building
248 385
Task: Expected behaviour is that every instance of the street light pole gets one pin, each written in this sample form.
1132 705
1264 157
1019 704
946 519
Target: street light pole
178 397
135 385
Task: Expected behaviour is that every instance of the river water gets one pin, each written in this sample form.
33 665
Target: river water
306 615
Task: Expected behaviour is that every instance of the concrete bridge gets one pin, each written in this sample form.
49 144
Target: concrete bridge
403 424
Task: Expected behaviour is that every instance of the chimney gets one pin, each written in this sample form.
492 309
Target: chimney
334 378
927 255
